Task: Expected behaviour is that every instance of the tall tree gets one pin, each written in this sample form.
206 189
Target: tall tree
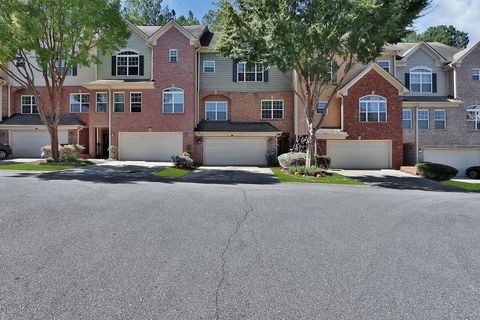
212 18
41 40
448 35
147 12
188 20
310 37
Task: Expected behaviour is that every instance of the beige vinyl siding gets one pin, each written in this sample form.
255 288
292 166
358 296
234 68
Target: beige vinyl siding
222 78
421 58
135 42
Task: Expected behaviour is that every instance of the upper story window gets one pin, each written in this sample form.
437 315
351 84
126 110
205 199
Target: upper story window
135 102
385 64
173 100
119 102
421 80
473 117
128 63
173 55
216 110
102 102
272 109
373 109
208 66
440 120
476 74
407 119
423 119
79 102
250 72
71 72
321 106
29 105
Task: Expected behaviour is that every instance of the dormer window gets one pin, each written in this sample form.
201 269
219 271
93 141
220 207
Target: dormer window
421 80
128 64
173 55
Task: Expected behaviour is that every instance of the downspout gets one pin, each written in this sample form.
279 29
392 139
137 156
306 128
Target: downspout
295 104
415 123
197 87
1 102
341 114
9 100
110 117
455 83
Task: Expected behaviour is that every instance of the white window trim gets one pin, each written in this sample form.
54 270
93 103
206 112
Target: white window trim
444 118
326 105
96 101
124 101
137 54
476 121
32 98
378 112
428 119
389 65
80 94
170 55
141 101
173 109
272 118
476 70
412 71
256 72
216 110
411 118
214 66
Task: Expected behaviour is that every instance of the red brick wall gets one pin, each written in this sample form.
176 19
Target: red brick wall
4 102
373 83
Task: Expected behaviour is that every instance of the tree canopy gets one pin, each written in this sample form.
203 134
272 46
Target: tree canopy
188 20
147 12
448 35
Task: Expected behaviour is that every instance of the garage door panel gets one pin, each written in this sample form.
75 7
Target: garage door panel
149 146
235 151
28 144
360 154
460 159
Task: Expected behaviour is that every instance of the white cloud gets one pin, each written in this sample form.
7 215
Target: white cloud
462 14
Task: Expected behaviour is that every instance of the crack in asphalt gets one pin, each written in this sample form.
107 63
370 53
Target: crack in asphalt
239 223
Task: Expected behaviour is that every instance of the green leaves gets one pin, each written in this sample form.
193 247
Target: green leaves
448 35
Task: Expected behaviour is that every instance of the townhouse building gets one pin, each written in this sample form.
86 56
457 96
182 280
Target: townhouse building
168 91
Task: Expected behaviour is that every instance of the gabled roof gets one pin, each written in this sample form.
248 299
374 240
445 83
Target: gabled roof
137 30
34 120
193 33
405 49
376 67
405 54
458 57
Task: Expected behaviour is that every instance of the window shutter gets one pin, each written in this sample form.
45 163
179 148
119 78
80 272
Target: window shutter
265 75
75 70
234 72
407 80
434 82
141 66
114 65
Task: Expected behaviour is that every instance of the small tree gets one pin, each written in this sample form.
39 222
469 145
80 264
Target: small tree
313 38
44 39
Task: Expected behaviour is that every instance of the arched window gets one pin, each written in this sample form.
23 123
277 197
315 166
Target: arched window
421 80
373 109
128 63
173 100
473 117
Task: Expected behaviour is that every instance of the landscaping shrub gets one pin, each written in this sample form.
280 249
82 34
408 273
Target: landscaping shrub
287 160
112 152
313 171
436 171
182 161
294 169
68 152
323 161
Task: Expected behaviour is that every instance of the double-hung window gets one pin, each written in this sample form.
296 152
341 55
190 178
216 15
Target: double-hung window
118 102
71 72
373 109
208 66
173 100
440 120
423 119
79 102
250 72
128 63
321 106
476 74
272 109
29 105
216 110
102 102
173 55
135 102
421 80
473 117
407 119
385 64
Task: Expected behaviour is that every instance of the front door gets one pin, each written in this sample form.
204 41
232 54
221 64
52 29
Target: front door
106 143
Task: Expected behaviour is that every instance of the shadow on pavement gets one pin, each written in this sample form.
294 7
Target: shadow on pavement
406 183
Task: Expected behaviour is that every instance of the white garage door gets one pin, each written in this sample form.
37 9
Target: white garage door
149 146
460 159
235 151
360 154
27 144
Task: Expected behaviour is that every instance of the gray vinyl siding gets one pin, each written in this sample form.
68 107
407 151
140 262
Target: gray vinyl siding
222 78
420 58
135 42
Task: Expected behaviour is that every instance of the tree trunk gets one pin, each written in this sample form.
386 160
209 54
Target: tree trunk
53 130
310 145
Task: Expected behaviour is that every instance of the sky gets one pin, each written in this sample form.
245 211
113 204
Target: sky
462 14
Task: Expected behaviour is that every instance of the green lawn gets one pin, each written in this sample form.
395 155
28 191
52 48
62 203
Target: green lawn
474 187
333 179
172 173
33 167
